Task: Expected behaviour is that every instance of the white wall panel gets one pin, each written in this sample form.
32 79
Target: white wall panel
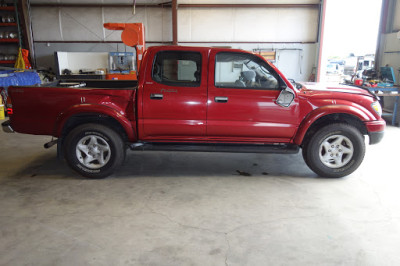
79 24
86 24
248 2
159 24
152 2
248 24
297 24
46 24
93 2
206 24
256 24
392 43
396 20
122 15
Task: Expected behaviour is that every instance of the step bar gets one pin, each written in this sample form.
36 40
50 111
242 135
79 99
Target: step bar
216 147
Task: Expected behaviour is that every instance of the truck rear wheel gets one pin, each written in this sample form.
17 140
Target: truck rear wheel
335 150
94 150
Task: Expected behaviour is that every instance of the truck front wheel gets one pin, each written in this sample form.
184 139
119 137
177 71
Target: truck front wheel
94 150
335 150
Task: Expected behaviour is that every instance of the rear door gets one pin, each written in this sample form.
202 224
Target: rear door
175 96
241 101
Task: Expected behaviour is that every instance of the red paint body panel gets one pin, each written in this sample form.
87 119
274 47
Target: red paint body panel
249 114
44 110
376 126
181 114
191 114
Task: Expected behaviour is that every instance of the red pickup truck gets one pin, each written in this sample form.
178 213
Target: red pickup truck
200 99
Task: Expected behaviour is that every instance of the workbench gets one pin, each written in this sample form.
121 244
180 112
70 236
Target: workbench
388 92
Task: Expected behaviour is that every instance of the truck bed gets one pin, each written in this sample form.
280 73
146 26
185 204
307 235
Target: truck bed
40 109
94 83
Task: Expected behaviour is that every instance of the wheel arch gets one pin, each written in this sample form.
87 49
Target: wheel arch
78 119
93 113
96 118
311 125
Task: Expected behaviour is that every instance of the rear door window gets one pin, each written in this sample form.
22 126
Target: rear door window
177 68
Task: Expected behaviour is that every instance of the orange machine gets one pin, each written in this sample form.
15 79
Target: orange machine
133 36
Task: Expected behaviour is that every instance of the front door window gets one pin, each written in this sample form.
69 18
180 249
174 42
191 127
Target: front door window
244 71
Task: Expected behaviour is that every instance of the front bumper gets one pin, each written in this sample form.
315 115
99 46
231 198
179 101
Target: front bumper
7 127
375 137
376 130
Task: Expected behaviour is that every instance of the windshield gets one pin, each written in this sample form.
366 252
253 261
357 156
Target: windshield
296 84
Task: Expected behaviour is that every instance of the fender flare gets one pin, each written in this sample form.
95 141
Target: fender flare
97 109
357 112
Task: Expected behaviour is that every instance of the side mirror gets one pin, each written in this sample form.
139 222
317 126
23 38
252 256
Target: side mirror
285 98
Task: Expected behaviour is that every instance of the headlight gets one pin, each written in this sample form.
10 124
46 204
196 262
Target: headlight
377 107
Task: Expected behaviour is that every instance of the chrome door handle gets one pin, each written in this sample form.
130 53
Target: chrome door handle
221 99
154 96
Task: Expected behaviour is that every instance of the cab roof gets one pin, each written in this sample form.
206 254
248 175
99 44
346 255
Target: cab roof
194 48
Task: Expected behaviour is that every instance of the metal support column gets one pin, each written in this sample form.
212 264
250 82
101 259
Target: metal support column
175 22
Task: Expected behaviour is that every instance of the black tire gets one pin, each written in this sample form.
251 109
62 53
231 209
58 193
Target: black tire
304 153
101 150
335 150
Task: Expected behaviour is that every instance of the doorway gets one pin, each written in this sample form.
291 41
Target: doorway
349 39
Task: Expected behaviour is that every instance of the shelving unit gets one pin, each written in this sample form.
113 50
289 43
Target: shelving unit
9 40
6 62
9 46
10 24
7 8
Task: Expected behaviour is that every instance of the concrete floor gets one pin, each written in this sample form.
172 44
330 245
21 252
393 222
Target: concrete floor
195 209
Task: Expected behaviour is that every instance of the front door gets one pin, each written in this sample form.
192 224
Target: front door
242 101
175 96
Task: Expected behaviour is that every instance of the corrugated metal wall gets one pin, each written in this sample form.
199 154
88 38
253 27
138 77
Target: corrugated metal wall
294 31
390 48
86 24
248 25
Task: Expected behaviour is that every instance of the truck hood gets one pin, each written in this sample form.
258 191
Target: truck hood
332 88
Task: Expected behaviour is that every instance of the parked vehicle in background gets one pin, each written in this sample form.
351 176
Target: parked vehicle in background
356 65
334 68
200 99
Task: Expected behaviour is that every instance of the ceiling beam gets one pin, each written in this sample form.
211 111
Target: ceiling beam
49 41
169 4
175 22
249 5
